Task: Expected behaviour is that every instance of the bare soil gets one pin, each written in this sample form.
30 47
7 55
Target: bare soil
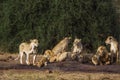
7 62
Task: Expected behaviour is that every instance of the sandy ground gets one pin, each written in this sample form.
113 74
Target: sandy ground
62 69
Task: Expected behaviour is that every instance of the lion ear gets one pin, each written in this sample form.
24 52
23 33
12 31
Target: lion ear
103 48
110 38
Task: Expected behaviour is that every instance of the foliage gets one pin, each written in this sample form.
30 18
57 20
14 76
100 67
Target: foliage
52 20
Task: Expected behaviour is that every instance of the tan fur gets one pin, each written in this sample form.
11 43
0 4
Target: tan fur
61 46
113 46
76 48
61 56
52 59
95 59
73 56
101 50
102 56
48 53
42 62
28 48
50 56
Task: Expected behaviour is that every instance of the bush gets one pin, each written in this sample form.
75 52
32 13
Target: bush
51 20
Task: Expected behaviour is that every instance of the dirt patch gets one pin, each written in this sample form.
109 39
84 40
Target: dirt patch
8 62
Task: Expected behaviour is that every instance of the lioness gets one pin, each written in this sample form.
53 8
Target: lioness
42 62
52 58
77 48
48 53
102 56
28 48
113 46
62 56
55 57
95 59
61 46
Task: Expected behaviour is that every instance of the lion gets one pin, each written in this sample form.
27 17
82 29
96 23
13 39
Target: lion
102 56
62 56
85 58
28 48
76 48
56 57
95 59
52 59
48 53
113 47
101 50
61 46
42 62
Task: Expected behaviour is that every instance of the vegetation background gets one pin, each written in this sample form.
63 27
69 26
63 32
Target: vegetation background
51 20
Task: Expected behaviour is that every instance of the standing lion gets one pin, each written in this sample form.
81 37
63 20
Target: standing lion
28 48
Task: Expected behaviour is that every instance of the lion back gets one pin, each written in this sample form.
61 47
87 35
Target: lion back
61 46
24 47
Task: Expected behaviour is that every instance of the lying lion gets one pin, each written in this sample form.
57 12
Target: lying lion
62 56
42 62
48 53
102 56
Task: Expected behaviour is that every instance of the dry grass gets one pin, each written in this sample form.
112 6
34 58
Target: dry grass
23 73
55 75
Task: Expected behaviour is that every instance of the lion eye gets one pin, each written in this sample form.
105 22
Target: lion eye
110 38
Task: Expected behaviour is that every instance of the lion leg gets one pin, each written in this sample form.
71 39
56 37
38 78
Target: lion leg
101 63
27 59
107 63
21 55
45 63
34 58
117 57
112 60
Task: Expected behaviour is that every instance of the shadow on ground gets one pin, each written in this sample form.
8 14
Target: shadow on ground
68 65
